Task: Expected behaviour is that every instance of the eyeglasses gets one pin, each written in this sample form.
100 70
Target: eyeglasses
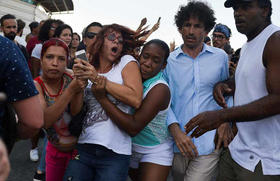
90 35
112 37
219 37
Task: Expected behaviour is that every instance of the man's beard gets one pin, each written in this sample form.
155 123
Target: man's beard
11 36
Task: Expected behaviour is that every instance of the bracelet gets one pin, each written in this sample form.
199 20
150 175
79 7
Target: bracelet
94 80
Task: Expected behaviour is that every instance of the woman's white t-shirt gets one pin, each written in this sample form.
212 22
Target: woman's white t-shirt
36 52
98 127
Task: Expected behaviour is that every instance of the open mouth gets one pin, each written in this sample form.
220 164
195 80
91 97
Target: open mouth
114 49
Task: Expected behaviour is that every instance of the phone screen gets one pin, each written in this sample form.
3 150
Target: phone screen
81 55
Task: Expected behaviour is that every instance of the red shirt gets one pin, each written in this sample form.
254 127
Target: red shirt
31 44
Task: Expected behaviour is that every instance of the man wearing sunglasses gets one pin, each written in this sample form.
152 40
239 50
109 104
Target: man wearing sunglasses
88 36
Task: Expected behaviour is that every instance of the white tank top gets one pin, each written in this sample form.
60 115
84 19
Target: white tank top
257 140
98 127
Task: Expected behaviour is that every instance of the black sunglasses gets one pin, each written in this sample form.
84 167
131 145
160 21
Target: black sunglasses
90 35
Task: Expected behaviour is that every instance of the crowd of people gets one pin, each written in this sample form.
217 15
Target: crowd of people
142 109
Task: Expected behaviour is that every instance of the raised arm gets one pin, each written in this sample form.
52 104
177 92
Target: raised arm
156 100
142 23
154 28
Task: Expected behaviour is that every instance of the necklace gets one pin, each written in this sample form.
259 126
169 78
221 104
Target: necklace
59 91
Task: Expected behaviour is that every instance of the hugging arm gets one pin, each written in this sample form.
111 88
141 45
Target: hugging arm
131 91
156 100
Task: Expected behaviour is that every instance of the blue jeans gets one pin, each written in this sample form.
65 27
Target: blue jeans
97 163
42 162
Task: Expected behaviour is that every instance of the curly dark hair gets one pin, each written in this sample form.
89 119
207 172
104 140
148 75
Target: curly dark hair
130 37
46 27
44 30
196 9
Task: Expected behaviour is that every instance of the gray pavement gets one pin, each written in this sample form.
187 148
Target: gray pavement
22 168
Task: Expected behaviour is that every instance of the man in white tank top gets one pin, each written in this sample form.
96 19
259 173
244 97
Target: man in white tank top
254 154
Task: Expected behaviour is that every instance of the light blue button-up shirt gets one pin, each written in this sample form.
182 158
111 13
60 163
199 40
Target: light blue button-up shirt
191 83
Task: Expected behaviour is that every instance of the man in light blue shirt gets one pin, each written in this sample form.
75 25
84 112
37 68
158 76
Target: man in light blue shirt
192 71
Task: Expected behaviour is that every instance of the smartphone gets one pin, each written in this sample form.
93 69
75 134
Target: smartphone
158 21
81 54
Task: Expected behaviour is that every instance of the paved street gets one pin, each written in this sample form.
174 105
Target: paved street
22 168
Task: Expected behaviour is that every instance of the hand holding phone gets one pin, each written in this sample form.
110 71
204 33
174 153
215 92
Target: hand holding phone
81 55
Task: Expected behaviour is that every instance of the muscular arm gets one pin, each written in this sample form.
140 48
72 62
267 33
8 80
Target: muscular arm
131 91
264 107
156 100
270 104
30 116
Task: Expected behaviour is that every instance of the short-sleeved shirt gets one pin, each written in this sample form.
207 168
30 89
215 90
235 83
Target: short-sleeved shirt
15 78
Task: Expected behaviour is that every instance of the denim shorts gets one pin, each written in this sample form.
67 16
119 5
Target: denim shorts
97 163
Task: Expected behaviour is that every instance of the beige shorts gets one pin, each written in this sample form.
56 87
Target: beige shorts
201 168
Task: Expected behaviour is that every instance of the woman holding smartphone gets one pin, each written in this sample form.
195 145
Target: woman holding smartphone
103 148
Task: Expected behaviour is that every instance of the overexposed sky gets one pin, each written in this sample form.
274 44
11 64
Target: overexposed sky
130 13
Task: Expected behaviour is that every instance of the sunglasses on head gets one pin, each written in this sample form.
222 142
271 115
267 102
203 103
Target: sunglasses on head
91 35
112 37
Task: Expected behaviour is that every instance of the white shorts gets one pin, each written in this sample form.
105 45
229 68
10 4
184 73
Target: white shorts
161 154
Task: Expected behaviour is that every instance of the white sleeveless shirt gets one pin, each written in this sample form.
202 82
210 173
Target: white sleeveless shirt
98 127
256 140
